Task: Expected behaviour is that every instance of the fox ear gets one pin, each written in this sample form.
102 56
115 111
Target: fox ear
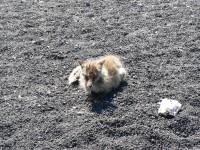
102 62
80 61
99 66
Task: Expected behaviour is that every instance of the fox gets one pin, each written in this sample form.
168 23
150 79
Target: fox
100 75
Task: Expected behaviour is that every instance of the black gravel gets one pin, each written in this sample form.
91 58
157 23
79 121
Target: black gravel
160 44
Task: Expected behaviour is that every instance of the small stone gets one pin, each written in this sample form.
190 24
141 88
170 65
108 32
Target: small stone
169 107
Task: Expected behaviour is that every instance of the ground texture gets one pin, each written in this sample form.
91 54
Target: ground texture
159 42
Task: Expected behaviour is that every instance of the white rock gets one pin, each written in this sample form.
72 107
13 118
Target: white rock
169 106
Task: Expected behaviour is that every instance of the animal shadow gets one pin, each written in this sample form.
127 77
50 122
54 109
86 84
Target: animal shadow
101 102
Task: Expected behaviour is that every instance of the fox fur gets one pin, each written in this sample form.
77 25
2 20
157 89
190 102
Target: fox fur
99 75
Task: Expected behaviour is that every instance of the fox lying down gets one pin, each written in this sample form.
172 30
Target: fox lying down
98 75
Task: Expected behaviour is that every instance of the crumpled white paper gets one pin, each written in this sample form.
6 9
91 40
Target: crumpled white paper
169 107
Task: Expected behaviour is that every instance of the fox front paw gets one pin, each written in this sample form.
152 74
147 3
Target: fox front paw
74 76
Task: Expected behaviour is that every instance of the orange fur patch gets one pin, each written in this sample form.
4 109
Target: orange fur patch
110 64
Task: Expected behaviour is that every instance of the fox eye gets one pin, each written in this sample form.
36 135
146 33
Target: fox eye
94 78
86 78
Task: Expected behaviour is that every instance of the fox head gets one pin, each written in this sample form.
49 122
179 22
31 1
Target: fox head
91 71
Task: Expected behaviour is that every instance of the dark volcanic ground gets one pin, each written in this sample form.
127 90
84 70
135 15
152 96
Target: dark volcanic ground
160 44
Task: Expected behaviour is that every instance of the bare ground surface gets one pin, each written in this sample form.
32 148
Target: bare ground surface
160 44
